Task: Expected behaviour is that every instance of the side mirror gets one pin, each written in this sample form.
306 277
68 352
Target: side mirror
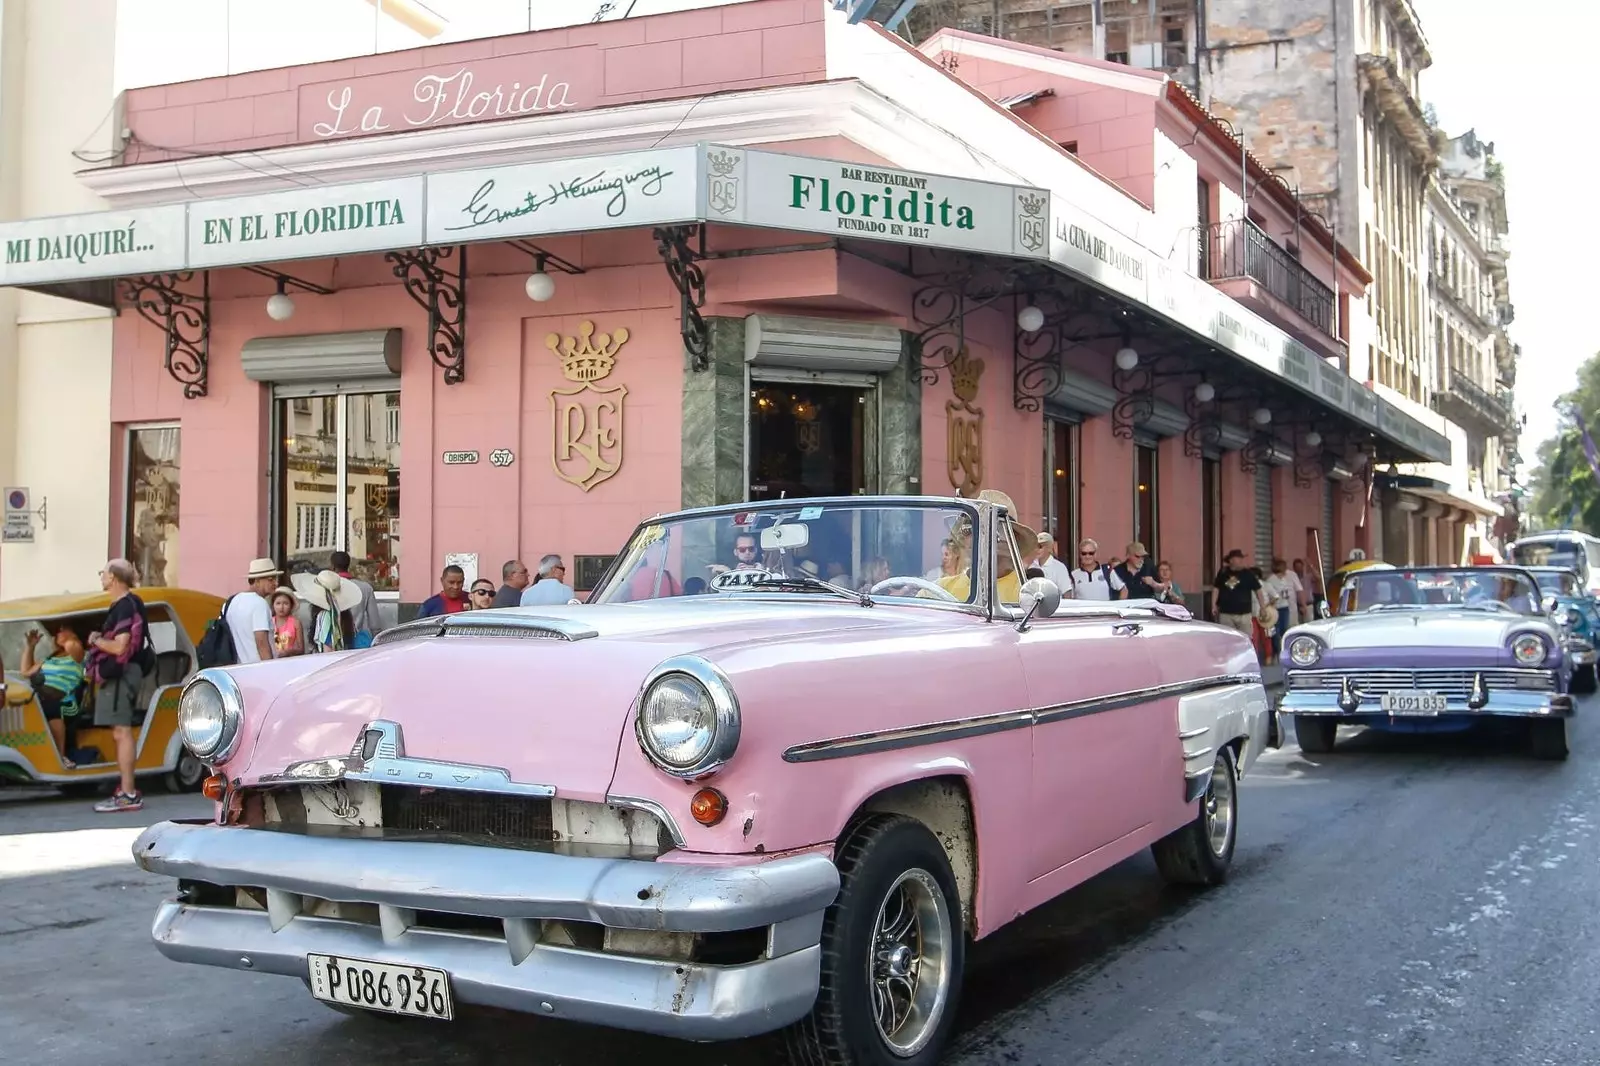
1550 605
1040 598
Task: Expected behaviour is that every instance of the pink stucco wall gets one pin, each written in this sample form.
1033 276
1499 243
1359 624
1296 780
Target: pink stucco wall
734 46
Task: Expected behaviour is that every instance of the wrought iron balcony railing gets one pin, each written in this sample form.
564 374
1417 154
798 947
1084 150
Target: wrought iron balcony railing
1495 410
1238 248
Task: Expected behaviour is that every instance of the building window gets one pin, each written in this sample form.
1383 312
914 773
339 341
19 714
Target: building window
151 535
1145 512
339 483
1061 487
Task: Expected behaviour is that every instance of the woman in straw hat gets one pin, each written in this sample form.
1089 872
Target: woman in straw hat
331 599
1008 583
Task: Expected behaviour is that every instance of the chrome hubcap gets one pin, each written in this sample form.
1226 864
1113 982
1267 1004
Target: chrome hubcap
909 967
1218 807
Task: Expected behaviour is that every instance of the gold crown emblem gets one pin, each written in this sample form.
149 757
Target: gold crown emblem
1031 205
722 163
964 374
589 356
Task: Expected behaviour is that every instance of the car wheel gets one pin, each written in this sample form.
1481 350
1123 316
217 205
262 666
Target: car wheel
1201 852
1549 737
1583 679
1315 735
187 776
893 952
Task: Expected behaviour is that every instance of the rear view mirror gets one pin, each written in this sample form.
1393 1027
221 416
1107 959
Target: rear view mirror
786 537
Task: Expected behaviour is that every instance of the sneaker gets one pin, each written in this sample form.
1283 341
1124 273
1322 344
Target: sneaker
120 801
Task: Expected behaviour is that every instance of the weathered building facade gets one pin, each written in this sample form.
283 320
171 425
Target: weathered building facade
1326 96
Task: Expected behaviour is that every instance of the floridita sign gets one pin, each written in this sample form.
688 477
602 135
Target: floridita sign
508 87
321 221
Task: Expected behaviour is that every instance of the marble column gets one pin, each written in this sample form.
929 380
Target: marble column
714 404
900 424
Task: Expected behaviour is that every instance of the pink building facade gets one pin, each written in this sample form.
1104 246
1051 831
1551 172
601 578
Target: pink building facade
485 301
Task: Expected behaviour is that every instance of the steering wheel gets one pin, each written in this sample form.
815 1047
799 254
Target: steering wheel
939 591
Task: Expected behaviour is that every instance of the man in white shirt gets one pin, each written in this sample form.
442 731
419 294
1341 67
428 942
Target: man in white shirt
1092 579
551 586
249 615
1053 568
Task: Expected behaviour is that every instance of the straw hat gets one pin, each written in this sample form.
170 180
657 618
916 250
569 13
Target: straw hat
327 590
284 590
995 496
260 568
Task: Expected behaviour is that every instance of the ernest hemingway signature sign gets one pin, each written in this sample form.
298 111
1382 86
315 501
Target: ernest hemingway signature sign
638 189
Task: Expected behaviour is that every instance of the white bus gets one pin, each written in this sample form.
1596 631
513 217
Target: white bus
1578 552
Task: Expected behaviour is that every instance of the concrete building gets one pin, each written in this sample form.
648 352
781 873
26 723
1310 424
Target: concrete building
727 324
55 354
1326 95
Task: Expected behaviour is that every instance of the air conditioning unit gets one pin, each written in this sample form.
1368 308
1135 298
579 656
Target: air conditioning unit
821 344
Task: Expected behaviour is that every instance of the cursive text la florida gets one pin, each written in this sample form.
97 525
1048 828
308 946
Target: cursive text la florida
646 182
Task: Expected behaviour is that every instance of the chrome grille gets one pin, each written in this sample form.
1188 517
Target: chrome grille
1451 683
481 817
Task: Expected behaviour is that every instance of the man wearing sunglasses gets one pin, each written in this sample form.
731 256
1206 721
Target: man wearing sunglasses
1093 579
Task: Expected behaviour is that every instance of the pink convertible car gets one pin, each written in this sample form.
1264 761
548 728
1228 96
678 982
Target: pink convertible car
738 791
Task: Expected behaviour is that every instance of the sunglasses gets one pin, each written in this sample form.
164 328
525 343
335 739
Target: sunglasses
483 592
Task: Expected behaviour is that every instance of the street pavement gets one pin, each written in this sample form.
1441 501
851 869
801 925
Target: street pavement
1410 900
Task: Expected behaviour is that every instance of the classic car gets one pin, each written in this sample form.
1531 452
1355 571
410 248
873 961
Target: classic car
1572 603
1431 649
83 758
784 803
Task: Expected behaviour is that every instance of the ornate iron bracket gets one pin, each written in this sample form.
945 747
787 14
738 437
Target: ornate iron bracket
1356 488
427 277
683 270
1204 431
1310 465
1136 398
1035 368
184 318
1257 450
941 308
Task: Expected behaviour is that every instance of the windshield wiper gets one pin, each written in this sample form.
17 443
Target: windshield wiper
783 581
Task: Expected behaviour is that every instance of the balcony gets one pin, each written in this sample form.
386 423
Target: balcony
1471 405
1254 269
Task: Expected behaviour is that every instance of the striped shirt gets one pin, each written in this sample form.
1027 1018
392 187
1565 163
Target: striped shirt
64 674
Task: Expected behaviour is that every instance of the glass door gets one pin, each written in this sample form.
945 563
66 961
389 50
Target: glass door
338 489
806 440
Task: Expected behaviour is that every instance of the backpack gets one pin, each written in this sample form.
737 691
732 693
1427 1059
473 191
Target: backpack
216 645
106 668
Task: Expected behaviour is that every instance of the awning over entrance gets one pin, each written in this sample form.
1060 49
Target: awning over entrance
1439 492
673 190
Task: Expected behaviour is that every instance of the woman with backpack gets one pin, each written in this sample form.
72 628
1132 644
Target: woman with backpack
116 660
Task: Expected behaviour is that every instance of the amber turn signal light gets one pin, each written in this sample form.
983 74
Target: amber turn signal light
708 806
215 788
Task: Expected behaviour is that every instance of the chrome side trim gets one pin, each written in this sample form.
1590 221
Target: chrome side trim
650 806
963 728
379 756
505 622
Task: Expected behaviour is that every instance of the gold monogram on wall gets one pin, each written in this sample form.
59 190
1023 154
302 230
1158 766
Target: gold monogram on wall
964 447
587 444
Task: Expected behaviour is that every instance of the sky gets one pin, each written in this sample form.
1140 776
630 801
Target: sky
1501 74
1521 95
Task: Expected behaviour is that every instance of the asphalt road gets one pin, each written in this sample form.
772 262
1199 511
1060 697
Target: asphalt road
1414 900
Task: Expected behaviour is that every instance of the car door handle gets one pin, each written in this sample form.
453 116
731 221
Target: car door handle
1127 629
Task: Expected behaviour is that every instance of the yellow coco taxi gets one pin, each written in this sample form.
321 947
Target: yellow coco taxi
28 751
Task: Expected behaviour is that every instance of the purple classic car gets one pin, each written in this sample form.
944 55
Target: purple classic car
1431 649
743 789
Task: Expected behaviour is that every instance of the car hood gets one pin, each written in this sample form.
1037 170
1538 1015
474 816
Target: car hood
1422 638
504 690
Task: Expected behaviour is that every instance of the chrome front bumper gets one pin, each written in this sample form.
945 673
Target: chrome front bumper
518 889
1500 702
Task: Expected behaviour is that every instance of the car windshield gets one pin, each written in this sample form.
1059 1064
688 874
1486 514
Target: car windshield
894 550
1547 553
1474 587
1557 582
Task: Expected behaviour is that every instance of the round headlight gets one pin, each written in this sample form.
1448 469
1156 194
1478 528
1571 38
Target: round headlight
688 720
1528 649
1304 651
209 713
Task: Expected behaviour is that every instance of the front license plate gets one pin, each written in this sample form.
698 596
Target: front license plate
412 990
1414 703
